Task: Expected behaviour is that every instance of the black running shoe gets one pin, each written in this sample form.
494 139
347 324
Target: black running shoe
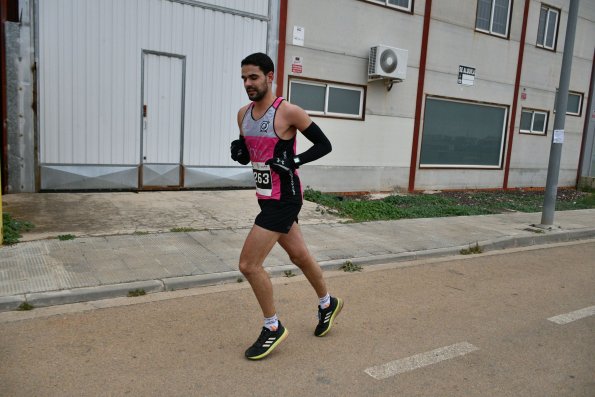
327 316
266 342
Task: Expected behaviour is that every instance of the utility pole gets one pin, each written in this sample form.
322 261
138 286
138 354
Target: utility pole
553 169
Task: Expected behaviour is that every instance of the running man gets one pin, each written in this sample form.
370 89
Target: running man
268 129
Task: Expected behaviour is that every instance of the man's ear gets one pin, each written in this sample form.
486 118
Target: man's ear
270 77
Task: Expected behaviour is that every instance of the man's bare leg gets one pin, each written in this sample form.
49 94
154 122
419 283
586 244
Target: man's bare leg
257 246
295 246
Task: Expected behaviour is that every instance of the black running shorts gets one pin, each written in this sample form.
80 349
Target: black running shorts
277 216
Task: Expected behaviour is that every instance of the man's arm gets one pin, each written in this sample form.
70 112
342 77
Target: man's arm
238 148
321 145
298 118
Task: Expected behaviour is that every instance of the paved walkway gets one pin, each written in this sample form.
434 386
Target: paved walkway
124 241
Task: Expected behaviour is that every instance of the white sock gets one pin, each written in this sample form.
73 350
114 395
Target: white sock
325 302
272 323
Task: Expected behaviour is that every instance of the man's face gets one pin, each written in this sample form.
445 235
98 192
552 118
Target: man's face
255 82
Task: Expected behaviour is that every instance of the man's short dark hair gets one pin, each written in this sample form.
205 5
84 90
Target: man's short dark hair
263 61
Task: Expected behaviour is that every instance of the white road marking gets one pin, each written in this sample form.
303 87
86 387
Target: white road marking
573 316
420 360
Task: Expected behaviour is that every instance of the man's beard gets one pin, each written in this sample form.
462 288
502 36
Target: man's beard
258 94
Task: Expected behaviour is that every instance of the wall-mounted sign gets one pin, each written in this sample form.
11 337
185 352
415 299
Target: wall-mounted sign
296 65
466 75
298 35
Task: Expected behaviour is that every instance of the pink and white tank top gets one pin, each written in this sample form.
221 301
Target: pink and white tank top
263 144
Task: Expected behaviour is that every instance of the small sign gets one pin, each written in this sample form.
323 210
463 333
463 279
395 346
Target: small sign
298 35
558 136
466 75
296 65
523 96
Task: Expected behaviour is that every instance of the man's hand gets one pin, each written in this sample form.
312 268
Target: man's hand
239 151
282 165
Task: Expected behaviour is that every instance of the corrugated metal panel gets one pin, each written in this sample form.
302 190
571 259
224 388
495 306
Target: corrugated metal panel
212 109
258 7
90 75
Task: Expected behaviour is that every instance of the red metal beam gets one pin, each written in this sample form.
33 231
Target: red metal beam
281 48
515 99
420 94
588 115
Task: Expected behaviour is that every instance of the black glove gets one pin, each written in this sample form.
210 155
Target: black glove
282 165
239 151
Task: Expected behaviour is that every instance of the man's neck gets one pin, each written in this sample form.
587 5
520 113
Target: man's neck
264 103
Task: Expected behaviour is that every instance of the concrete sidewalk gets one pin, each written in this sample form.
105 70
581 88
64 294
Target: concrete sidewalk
107 260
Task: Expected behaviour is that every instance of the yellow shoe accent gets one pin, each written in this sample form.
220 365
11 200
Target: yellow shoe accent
335 314
281 339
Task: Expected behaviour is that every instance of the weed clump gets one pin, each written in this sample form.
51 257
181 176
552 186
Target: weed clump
12 229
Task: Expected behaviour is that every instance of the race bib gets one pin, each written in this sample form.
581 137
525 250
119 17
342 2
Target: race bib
262 178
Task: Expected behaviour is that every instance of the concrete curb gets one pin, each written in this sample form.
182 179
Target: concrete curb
75 295
50 298
11 302
186 282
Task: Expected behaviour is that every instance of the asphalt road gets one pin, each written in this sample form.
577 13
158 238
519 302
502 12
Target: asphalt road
464 326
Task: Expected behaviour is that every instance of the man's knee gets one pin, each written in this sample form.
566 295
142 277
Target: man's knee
248 269
300 259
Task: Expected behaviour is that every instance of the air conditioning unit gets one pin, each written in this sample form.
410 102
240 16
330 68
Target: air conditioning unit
387 63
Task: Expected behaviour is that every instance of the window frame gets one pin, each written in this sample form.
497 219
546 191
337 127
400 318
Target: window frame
555 44
503 139
392 6
331 84
531 131
580 103
490 31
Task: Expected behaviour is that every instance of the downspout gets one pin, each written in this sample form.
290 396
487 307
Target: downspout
420 94
281 48
515 99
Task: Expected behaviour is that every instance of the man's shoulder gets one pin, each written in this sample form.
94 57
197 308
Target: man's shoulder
289 108
243 109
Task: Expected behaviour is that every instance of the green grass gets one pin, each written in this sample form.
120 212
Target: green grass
12 229
475 249
136 292
25 306
445 204
183 230
350 267
65 237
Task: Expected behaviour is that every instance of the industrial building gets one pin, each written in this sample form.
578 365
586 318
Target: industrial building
414 95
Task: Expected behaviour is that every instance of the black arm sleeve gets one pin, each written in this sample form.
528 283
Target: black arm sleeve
322 146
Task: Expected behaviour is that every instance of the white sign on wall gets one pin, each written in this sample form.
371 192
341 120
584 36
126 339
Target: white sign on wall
466 75
296 65
298 35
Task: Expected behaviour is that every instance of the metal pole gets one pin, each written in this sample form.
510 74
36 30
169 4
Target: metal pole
553 169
